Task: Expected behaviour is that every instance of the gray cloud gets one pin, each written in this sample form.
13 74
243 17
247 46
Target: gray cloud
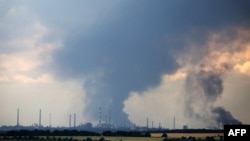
129 45
124 46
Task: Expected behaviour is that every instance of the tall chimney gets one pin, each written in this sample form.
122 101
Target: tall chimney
100 115
174 122
109 115
17 123
40 116
147 122
69 120
74 120
50 120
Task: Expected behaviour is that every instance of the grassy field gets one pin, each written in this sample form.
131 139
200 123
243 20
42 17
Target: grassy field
154 137
81 138
187 135
94 138
128 138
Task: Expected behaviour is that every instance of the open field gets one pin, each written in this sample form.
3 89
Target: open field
93 138
129 138
111 139
187 135
154 137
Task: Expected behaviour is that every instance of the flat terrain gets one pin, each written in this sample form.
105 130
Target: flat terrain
187 135
154 137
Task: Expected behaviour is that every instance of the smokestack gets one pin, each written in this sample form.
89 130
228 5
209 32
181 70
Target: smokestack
69 120
100 114
40 115
152 124
74 119
174 123
109 117
50 120
147 122
17 123
106 117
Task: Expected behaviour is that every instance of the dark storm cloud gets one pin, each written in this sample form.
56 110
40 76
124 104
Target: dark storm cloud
126 46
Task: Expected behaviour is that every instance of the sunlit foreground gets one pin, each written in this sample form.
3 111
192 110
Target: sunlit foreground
187 135
154 137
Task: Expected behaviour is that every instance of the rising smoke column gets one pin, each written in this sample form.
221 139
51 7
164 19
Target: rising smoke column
206 91
224 116
204 81
203 89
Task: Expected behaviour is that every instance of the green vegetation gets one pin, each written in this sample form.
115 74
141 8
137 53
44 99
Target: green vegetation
103 138
73 135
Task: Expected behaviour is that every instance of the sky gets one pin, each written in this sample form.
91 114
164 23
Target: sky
161 60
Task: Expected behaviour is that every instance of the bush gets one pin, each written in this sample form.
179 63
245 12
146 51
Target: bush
102 139
165 139
164 135
192 138
88 139
209 138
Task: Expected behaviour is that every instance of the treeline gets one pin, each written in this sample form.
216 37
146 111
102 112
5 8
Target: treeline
126 133
188 131
36 132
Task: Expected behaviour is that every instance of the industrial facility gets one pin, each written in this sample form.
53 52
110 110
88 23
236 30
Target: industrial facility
88 126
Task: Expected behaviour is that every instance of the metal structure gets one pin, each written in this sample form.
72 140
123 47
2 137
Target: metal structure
40 116
17 123
69 120
74 120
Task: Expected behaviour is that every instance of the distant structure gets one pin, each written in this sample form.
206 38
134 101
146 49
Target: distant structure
174 123
49 119
100 115
74 120
106 119
106 123
147 122
101 126
159 125
109 116
40 116
185 127
69 120
17 123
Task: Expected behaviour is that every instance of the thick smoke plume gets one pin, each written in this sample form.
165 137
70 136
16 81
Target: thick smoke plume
203 89
204 82
224 117
207 90
211 83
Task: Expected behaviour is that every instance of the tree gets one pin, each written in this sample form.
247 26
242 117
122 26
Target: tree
88 139
101 139
165 139
164 135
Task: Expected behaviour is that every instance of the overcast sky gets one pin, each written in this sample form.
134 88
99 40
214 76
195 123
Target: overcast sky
134 59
